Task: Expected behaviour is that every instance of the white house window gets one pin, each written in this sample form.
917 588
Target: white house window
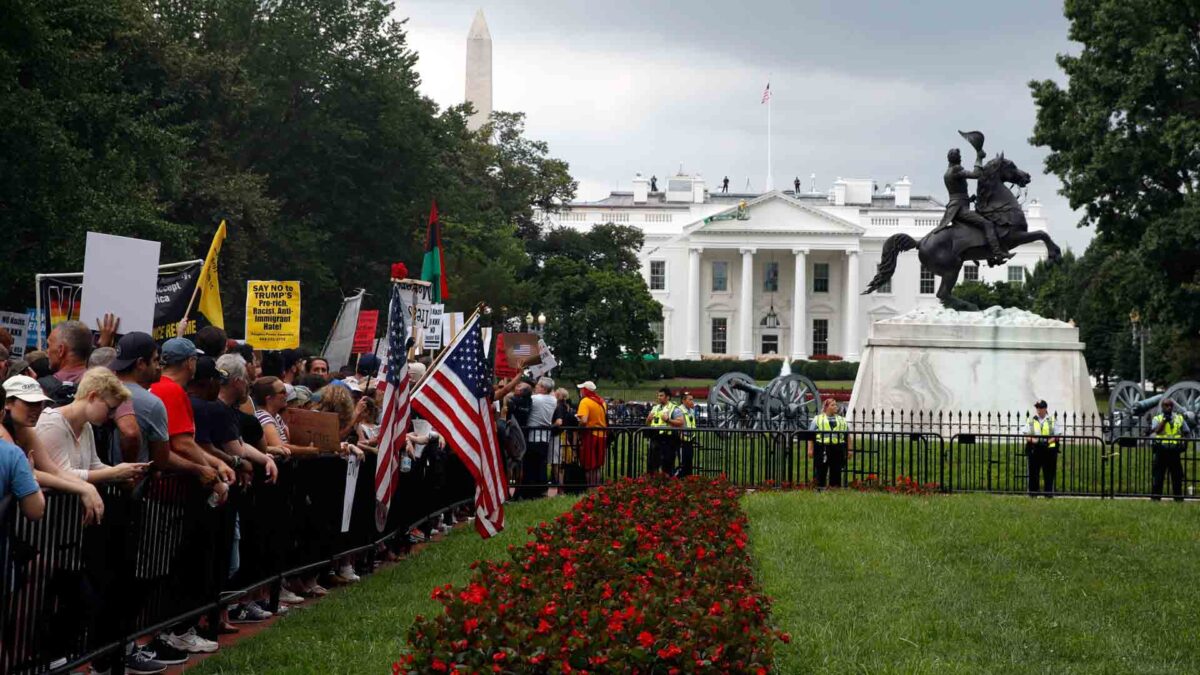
771 277
971 273
820 277
820 337
770 344
720 327
656 327
720 276
1016 274
926 281
658 275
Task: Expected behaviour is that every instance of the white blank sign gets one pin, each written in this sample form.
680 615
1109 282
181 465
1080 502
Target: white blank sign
120 276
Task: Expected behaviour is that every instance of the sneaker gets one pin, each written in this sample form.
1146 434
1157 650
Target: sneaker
347 572
248 613
190 642
289 597
283 609
142 662
317 590
160 650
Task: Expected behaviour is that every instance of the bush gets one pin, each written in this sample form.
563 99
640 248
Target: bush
624 582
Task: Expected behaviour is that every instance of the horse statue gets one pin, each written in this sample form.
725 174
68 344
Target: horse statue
944 250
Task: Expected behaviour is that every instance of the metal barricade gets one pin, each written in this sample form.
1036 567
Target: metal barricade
1000 462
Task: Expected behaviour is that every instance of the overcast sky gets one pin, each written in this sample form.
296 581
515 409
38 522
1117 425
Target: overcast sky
861 89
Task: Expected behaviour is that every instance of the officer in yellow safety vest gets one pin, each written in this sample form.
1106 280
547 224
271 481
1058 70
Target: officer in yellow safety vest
664 419
1170 431
831 446
1041 447
687 449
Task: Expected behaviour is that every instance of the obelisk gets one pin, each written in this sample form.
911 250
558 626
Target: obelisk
479 71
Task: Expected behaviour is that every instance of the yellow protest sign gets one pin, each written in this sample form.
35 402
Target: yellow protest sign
273 314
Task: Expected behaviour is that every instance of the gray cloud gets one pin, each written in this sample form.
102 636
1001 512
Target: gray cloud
861 89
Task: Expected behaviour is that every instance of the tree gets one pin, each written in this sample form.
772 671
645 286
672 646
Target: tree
590 286
1124 136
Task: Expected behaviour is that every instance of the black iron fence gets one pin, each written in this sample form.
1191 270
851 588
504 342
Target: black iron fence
955 453
162 555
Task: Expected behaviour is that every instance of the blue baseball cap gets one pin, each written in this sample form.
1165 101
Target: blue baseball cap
368 364
177 350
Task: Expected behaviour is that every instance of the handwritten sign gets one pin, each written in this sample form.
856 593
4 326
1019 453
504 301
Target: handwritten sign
17 324
273 314
433 329
364 334
310 427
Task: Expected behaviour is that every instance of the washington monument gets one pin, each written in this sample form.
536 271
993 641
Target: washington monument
479 71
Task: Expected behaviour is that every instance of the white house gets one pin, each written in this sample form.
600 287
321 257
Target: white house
742 275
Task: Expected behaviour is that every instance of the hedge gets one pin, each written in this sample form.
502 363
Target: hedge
665 369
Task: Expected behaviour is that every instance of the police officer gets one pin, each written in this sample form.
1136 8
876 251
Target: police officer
1041 447
831 445
1169 430
687 446
664 418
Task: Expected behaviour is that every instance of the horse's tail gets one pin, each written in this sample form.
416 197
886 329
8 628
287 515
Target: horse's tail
892 248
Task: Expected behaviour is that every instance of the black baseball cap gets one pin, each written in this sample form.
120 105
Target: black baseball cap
1040 404
130 348
206 369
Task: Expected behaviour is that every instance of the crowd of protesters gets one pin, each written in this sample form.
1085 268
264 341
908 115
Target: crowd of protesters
91 410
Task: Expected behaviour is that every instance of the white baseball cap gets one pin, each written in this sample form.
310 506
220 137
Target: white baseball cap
25 388
589 385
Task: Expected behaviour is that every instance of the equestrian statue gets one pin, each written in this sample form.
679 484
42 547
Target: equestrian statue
988 233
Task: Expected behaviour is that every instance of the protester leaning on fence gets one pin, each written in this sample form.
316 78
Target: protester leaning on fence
831 446
1041 447
538 430
67 435
23 403
16 479
1171 432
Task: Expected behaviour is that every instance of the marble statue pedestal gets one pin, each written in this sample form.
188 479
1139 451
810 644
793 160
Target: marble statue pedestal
997 360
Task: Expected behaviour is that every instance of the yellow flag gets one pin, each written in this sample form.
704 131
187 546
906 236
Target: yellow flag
209 284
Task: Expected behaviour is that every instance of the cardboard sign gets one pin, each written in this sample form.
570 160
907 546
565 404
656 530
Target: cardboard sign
120 276
17 324
513 350
310 427
433 328
364 334
452 322
273 314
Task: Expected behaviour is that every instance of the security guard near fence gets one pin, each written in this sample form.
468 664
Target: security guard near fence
664 419
1041 447
1170 432
687 436
830 447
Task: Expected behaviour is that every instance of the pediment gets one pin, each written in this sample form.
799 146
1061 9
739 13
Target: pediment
779 213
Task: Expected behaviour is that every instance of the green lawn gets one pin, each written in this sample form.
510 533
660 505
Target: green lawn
875 583
360 629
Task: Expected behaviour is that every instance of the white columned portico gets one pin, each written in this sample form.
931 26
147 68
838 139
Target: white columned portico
850 324
746 311
799 292
693 303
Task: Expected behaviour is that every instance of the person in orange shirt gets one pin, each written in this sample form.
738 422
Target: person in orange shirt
593 415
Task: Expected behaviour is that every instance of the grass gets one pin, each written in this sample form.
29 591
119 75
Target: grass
875 583
360 629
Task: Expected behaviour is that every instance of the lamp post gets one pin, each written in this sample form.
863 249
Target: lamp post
1139 336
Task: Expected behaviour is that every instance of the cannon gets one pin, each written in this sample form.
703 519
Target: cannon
1130 410
787 402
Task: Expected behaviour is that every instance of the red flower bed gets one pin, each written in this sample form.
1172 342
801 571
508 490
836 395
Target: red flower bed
645 576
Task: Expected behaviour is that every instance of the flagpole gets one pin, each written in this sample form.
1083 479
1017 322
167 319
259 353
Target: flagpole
770 102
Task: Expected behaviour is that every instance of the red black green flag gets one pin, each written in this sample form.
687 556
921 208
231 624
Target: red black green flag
432 269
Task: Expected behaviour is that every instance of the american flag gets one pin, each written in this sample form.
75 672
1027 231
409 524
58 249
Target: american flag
523 350
395 410
767 93
454 398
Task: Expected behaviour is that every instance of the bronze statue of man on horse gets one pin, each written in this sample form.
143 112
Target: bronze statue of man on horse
995 226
